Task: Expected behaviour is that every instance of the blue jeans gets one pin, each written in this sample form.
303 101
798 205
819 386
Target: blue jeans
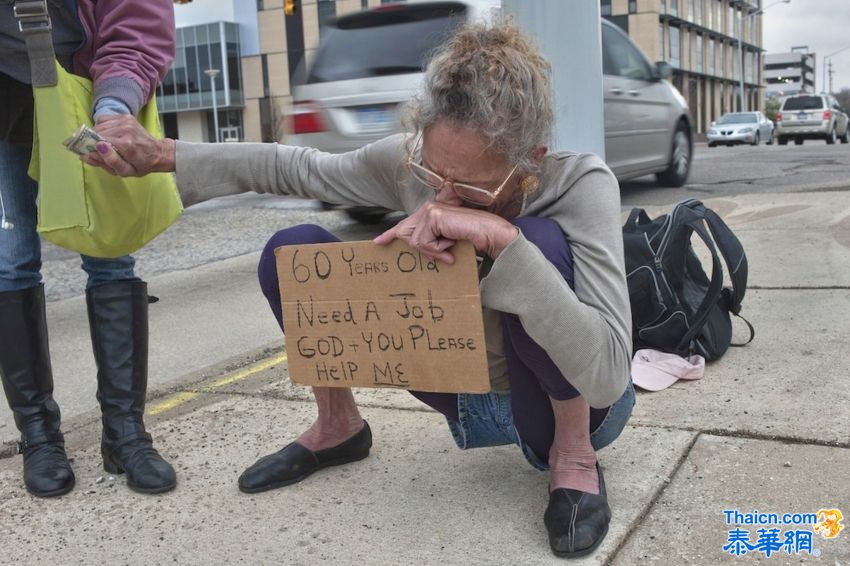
20 247
487 420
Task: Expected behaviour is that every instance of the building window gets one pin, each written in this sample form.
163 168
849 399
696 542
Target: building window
606 7
699 54
674 47
661 43
662 6
709 13
711 56
698 14
730 23
621 22
674 7
691 10
633 6
326 10
364 4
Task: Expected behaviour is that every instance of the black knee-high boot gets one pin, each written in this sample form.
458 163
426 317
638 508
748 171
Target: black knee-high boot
118 318
28 382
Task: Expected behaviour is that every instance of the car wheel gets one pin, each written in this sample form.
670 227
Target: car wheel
798 141
770 139
832 137
756 139
846 137
712 144
782 141
366 214
680 159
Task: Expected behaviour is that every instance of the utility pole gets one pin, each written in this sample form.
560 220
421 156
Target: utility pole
212 74
569 35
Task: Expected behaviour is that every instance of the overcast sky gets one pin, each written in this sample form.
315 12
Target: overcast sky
823 25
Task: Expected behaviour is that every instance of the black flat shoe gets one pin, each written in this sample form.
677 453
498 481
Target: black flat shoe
295 462
577 521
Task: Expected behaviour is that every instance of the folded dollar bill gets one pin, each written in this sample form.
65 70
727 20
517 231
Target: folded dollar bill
83 140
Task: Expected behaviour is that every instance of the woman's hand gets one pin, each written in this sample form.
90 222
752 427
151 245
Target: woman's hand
435 227
129 150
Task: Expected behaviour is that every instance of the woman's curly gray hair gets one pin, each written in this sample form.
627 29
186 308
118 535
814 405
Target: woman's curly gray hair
491 79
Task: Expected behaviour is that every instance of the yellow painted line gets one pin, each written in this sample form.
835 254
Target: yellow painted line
172 402
239 375
185 396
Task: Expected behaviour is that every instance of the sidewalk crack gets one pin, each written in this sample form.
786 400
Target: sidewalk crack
655 498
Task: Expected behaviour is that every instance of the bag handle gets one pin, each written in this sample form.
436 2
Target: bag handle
636 217
35 25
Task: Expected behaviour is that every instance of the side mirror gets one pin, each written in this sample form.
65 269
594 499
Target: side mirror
713 123
662 71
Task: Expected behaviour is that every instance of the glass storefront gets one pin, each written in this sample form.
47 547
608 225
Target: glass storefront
187 87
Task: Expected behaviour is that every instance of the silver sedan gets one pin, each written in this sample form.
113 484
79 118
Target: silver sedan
741 127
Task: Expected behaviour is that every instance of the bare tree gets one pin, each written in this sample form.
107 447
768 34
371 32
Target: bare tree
843 98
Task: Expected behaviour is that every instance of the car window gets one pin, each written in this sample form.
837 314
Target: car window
803 103
384 42
738 118
621 58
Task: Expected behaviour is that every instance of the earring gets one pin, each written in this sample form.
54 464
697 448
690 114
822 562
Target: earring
529 184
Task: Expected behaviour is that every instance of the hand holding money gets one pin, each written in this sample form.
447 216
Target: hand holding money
128 150
83 141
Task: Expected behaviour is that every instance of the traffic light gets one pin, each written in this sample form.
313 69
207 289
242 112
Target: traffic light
289 7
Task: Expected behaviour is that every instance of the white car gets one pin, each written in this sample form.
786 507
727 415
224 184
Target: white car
812 116
740 127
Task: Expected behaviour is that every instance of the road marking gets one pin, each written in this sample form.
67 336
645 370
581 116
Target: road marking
185 396
172 402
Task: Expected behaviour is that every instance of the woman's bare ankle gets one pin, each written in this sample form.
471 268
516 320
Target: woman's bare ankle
573 468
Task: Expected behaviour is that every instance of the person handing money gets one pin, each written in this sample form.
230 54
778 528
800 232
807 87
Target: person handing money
125 47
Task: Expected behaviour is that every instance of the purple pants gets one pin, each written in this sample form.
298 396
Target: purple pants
533 376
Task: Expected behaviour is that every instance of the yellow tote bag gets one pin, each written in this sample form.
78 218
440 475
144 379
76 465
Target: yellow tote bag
84 208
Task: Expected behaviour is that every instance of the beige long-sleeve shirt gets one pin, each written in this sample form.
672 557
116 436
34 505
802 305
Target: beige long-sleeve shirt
587 333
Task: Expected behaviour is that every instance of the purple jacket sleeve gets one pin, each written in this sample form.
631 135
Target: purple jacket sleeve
129 47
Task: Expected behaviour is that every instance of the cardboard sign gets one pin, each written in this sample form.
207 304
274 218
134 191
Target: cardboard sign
357 314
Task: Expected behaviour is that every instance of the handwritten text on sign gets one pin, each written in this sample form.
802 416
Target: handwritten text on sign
357 314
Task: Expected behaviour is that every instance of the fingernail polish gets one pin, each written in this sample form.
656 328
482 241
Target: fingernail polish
102 148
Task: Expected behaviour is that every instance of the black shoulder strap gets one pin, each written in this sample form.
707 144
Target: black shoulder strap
714 287
34 23
736 262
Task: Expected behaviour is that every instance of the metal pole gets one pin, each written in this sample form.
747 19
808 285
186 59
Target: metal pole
212 74
563 30
741 58
215 107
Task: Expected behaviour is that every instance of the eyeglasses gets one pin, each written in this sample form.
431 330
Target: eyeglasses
469 193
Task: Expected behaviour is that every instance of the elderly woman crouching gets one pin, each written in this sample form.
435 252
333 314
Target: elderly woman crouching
552 284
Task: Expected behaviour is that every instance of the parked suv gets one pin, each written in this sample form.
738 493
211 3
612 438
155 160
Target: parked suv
369 63
811 116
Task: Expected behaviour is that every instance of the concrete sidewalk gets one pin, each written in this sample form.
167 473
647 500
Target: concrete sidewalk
767 430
